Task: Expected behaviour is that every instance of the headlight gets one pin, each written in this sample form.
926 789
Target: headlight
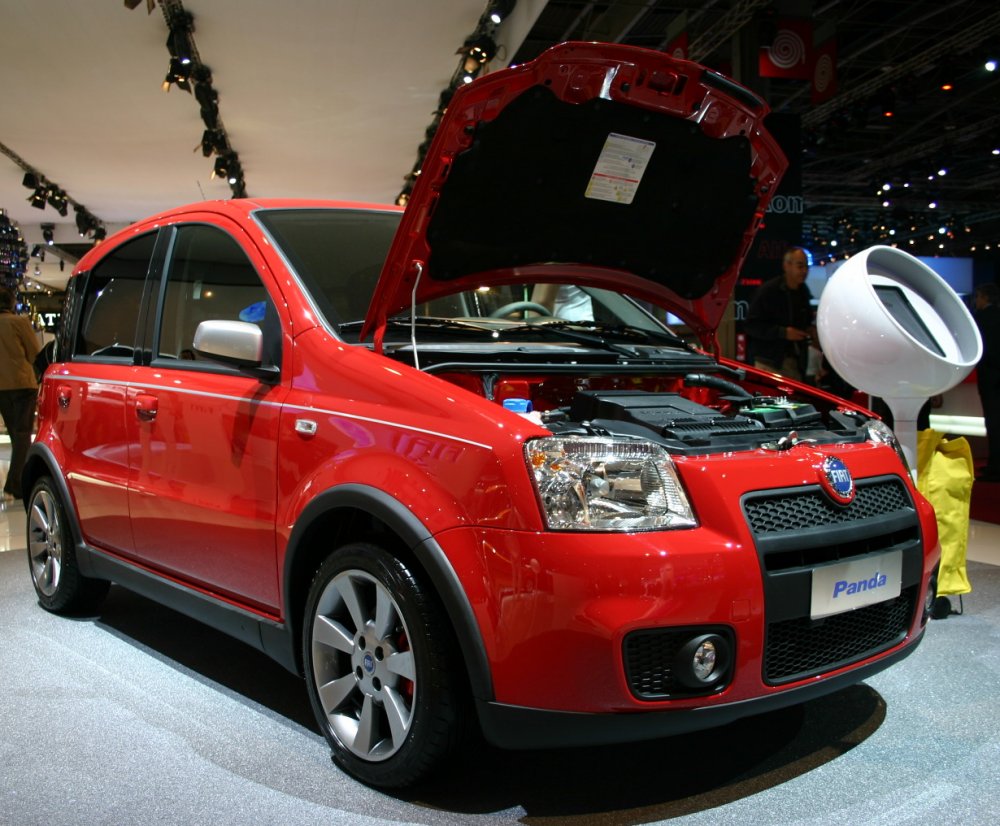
880 433
607 485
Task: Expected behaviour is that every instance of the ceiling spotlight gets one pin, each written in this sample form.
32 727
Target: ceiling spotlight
990 65
100 233
58 201
212 142
500 9
227 166
179 73
206 95
85 222
478 50
179 45
48 233
37 198
31 180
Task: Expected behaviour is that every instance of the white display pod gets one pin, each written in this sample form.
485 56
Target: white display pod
892 327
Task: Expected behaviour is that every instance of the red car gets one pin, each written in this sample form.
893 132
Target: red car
452 465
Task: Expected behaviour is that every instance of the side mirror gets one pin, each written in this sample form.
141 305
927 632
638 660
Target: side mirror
238 343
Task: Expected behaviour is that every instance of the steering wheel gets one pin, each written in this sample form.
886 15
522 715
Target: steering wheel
519 306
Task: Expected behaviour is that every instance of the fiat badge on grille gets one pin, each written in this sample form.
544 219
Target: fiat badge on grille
836 480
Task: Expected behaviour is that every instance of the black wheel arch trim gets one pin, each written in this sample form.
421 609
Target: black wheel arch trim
414 534
40 456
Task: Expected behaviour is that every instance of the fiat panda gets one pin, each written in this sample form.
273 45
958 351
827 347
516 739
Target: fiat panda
452 465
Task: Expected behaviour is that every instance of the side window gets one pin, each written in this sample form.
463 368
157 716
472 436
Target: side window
210 277
111 300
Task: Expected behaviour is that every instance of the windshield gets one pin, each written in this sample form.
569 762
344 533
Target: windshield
338 255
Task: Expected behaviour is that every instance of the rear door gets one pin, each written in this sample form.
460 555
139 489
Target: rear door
203 436
90 386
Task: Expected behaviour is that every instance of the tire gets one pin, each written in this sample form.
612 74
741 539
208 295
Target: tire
55 573
381 668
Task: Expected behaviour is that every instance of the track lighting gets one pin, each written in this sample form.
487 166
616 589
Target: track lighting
37 198
48 233
190 74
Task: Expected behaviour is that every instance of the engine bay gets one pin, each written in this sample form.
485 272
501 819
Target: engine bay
685 426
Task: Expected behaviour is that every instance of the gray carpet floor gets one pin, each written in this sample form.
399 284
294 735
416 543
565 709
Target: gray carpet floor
139 715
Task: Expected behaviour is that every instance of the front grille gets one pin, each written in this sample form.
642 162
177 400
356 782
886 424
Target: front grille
798 510
798 529
798 648
649 661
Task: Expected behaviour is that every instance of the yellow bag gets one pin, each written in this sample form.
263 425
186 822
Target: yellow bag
944 477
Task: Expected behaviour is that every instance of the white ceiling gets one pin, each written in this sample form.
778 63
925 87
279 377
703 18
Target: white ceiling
320 98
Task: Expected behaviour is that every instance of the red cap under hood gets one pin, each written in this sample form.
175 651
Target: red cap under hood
594 164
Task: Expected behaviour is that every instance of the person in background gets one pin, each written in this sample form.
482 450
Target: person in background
987 315
565 301
779 324
18 388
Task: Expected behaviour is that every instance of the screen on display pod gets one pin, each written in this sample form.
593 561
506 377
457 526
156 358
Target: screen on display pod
900 308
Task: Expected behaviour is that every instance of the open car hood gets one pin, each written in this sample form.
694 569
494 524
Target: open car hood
595 164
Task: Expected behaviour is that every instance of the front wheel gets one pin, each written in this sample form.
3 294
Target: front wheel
55 572
380 667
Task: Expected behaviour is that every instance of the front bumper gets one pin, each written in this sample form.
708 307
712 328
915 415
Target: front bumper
558 612
516 727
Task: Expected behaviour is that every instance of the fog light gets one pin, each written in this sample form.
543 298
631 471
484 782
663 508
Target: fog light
703 661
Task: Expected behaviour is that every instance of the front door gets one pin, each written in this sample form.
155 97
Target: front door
202 436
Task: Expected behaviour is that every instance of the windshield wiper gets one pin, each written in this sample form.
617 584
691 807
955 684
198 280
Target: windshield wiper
640 335
566 330
427 322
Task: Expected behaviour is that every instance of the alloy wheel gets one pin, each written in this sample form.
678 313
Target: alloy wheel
363 666
45 542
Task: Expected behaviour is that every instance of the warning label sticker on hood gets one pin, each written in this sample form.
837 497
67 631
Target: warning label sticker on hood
619 169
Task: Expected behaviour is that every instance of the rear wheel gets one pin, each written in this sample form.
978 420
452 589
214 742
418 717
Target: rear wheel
380 668
55 573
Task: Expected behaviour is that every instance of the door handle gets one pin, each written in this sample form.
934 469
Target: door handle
64 395
146 407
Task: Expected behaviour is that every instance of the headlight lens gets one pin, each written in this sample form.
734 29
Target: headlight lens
880 433
607 485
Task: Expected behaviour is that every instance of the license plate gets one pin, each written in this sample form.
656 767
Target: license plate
845 586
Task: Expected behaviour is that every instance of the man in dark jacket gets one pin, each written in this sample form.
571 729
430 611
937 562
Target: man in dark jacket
779 324
987 301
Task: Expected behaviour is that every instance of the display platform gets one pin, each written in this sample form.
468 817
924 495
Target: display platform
139 714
